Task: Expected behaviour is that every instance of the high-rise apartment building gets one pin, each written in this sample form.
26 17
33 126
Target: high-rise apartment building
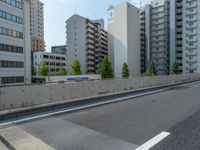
156 35
187 22
88 41
171 31
124 38
37 25
15 45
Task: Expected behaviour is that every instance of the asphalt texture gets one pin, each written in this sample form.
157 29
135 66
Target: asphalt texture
128 124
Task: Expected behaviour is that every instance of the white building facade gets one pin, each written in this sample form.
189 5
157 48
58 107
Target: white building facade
15 45
124 38
88 41
55 62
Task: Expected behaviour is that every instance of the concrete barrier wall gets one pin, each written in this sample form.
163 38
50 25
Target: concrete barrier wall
23 96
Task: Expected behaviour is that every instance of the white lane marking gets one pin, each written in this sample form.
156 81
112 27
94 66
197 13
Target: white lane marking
188 84
79 108
153 141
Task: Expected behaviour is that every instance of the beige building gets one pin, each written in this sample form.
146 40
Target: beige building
37 25
124 38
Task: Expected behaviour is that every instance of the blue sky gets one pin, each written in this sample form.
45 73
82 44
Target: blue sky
56 12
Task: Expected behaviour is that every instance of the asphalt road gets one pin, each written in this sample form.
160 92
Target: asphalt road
124 125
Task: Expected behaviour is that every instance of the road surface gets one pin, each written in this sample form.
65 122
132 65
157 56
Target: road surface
124 125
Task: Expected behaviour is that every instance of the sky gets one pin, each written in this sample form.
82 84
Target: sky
56 12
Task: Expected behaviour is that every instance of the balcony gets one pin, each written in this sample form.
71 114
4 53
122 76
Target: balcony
191 39
90 30
159 10
90 46
191 53
90 24
89 41
158 27
160 21
90 57
160 38
159 44
193 60
191 18
89 35
194 12
191 32
191 5
159 56
90 62
189 46
191 25
157 15
191 67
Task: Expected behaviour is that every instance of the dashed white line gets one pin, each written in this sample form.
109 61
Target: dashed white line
153 141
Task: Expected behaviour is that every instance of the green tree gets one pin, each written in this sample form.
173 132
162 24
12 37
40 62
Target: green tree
76 67
148 74
152 68
60 72
33 71
151 71
175 68
44 70
105 68
125 71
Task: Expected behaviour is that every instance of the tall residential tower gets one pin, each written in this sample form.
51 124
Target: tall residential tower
172 35
88 41
37 26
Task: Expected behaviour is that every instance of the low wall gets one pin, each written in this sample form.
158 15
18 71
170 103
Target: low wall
23 96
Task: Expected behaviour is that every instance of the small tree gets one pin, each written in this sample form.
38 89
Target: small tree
105 68
60 72
33 71
152 68
151 71
44 70
125 71
76 67
148 74
175 68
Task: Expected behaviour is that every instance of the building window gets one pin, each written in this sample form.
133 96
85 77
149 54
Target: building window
45 56
10 48
13 33
10 17
7 80
13 3
11 64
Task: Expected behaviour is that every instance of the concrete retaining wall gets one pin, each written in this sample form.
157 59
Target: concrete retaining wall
23 96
